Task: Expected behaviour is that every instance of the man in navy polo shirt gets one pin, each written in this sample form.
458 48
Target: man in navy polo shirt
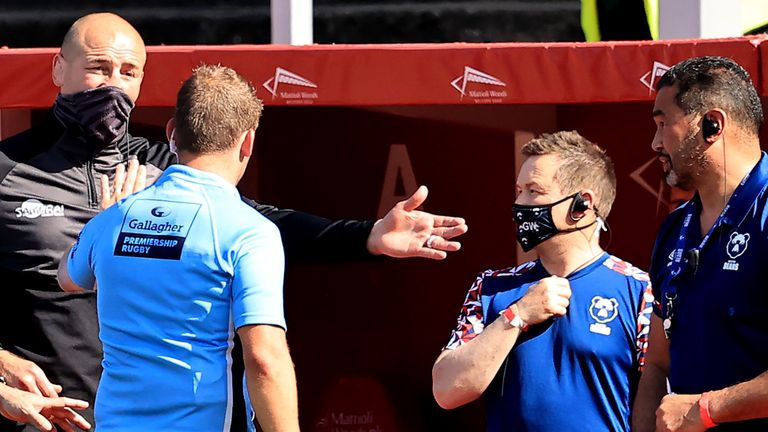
709 337
554 344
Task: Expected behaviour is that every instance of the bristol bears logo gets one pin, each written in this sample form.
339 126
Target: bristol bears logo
735 248
603 310
737 245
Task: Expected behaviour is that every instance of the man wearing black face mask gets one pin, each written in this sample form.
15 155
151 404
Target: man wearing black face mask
555 344
49 188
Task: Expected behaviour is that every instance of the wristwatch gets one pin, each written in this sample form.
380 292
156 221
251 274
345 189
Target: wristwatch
513 319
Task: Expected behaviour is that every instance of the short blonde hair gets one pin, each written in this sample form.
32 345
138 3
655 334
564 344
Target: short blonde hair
213 108
584 165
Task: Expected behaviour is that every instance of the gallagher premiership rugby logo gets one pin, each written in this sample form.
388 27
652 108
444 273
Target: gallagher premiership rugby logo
486 88
299 92
155 229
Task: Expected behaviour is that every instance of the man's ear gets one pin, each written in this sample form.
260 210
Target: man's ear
247 143
588 197
57 70
713 124
170 129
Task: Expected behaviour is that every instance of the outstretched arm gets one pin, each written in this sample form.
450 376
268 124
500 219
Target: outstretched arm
405 232
402 233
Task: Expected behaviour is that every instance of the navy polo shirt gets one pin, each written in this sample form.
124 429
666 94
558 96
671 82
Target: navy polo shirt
719 334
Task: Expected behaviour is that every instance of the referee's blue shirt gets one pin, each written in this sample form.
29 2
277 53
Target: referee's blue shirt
179 266
719 335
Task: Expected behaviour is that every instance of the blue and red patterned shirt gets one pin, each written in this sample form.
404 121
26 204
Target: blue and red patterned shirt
575 373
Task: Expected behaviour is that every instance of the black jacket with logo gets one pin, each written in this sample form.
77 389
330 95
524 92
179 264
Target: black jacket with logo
49 189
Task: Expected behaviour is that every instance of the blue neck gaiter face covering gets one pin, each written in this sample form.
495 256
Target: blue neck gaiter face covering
535 223
99 115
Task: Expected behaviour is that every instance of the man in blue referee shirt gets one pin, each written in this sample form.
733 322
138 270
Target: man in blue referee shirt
709 336
178 267
554 344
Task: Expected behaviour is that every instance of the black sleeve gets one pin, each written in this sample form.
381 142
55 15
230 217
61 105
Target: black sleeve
158 153
312 239
27 144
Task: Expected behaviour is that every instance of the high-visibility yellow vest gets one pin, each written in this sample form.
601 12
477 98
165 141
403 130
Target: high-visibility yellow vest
754 14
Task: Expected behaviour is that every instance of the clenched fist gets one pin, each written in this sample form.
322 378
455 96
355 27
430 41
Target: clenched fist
678 413
547 298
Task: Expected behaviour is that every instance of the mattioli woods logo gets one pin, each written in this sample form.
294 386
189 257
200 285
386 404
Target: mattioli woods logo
292 87
469 85
652 76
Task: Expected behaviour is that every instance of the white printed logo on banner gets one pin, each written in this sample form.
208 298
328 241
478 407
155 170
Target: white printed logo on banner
472 75
652 76
293 95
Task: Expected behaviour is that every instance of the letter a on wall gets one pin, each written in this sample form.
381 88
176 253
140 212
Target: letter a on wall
399 179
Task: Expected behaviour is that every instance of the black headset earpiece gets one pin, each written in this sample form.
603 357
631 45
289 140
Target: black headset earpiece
709 127
580 204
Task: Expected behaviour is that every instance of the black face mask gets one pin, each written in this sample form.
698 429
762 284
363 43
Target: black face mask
536 225
99 115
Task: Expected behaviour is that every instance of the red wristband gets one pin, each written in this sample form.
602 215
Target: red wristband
706 419
513 319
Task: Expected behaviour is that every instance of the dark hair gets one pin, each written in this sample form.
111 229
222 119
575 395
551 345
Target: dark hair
583 165
213 108
704 83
